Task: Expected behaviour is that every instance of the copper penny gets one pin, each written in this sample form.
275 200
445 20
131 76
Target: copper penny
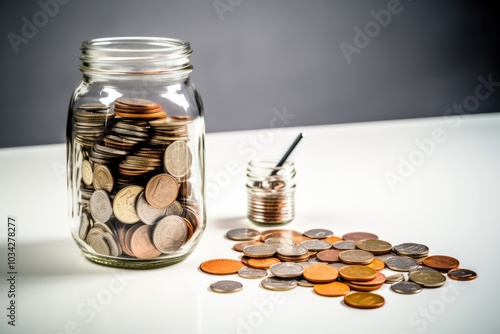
379 279
320 273
365 288
332 239
461 274
330 255
333 289
357 236
221 266
441 262
377 264
141 243
262 263
161 190
365 300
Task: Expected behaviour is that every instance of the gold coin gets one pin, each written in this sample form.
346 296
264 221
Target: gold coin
332 239
379 279
124 204
178 158
357 273
221 266
365 300
374 246
87 173
356 256
320 273
161 190
103 179
333 289
427 278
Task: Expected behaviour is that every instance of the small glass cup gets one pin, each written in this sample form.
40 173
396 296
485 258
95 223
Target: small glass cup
271 192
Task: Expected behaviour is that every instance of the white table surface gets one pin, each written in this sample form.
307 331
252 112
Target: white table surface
450 201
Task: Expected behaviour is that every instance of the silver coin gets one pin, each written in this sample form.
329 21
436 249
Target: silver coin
177 158
174 208
344 245
422 267
291 251
278 283
97 241
394 278
170 233
318 233
301 281
286 269
315 245
243 234
406 287
401 263
84 226
259 251
100 206
280 241
411 249
247 272
146 212
226 286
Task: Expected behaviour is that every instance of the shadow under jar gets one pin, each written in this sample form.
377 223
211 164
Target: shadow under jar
135 153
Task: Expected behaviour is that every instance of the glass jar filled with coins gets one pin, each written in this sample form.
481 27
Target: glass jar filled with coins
270 192
135 153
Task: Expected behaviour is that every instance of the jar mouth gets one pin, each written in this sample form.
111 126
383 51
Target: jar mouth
135 55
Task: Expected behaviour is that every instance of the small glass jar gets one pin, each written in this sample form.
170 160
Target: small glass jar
270 192
135 153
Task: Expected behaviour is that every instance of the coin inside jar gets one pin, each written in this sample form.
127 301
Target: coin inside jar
124 204
170 233
161 190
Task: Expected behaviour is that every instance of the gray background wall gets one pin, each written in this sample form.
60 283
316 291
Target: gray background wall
260 55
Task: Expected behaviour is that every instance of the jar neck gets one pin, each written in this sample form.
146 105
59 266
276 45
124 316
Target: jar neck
130 58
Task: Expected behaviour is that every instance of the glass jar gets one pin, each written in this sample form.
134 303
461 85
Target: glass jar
270 192
135 153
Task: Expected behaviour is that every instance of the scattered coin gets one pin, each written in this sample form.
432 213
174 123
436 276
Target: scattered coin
356 256
394 278
264 263
241 245
315 245
330 255
357 236
318 233
280 241
344 245
260 251
333 289
286 269
406 287
357 273
427 278
364 300
247 272
441 262
411 249
243 234
226 286
221 266
401 263
377 264
374 246
320 273
278 283
461 274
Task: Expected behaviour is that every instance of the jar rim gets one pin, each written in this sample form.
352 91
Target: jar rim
142 44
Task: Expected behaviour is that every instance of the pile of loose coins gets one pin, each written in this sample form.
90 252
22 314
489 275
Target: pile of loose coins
136 196
350 266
